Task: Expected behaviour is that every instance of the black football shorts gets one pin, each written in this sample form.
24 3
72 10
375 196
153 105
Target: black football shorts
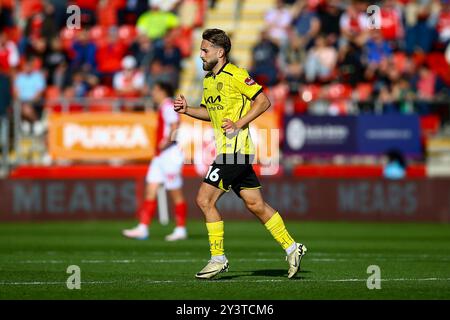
235 174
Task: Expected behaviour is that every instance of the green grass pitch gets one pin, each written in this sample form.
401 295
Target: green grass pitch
414 261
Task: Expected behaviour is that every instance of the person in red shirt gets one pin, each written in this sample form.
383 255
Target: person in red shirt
88 11
443 24
165 169
391 21
9 54
109 56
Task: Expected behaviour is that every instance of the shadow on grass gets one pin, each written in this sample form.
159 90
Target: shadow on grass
273 273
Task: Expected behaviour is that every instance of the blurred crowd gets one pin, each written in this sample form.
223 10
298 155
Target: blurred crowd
314 48
399 56
116 48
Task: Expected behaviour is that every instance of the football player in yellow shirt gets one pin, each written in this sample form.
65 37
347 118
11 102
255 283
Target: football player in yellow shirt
231 100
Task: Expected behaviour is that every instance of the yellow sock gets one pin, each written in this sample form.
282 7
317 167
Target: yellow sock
276 227
215 234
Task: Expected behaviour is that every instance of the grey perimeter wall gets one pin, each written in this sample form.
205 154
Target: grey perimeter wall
294 198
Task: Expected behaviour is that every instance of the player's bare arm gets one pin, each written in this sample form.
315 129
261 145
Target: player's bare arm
258 107
180 106
171 137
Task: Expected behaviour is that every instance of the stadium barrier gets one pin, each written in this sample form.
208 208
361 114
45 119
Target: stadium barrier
4 144
115 194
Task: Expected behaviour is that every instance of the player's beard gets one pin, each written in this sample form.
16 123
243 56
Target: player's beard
208 66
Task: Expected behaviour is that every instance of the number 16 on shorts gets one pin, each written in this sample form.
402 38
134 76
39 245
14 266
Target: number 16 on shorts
214 175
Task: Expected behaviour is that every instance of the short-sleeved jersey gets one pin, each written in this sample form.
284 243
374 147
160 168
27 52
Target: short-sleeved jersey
166 117
228 94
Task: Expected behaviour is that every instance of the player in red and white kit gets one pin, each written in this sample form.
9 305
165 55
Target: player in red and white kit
165 169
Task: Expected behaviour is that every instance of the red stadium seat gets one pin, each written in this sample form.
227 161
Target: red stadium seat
437 63
101 92
51 94
338 91
183 40
364 91
310 92
429 126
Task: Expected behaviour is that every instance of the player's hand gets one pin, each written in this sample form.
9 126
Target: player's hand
230 128
163 144
180 104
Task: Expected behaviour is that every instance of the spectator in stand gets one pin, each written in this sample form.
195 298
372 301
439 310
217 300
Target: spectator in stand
166 5
6 14
84 53
351 69
386 99
394 166
391 22
320 61
292 60
60 8
130 81
264 68
329 15
40 28
9 54
129 11
376 48
5 94
155 23
420 22
143 51
353 23
443 25
404 95
49 28
305 21
88 11
80 84
54 59
170 57
277 22
426 85
157 74
109 57
29 87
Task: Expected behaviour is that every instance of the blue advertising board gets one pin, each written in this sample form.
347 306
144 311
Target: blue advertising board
365 134
320 135
378 134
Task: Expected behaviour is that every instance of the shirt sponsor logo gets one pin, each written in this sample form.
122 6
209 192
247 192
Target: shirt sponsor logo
213 100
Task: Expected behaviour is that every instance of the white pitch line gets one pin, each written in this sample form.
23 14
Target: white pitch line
216 281
126 261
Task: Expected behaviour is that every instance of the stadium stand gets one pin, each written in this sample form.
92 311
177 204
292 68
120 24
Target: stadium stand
375 72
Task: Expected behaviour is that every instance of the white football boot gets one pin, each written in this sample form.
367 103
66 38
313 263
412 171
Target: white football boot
213 268
139 233
179 233
295 258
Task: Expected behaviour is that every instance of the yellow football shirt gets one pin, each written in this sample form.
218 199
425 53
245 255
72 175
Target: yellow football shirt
228 95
